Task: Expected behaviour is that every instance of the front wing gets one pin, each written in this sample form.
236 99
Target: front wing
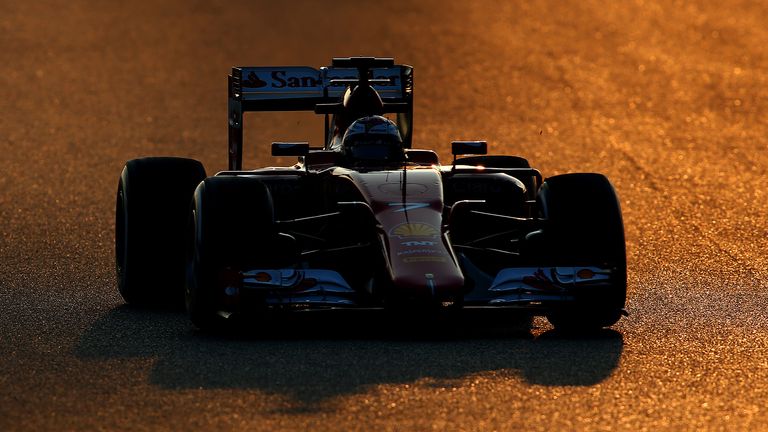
531 288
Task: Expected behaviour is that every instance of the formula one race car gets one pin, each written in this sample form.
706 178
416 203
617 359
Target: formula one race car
365 221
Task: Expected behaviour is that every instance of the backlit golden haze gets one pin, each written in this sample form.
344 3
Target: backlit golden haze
668 98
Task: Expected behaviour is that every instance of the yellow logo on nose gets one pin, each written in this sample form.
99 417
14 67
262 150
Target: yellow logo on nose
415 230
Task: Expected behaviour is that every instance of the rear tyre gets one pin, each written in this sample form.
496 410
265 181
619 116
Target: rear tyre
585 227
153 198
231 226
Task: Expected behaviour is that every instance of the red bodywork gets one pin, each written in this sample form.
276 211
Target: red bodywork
408 204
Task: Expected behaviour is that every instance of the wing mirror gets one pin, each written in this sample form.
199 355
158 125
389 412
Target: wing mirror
290 148
468 147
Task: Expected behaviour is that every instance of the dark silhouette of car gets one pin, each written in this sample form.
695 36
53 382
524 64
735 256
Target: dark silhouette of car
339 230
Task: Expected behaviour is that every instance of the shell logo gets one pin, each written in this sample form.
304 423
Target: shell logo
415 230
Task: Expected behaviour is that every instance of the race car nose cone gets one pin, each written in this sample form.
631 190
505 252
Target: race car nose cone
432 286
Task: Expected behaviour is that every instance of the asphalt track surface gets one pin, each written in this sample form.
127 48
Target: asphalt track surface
668 99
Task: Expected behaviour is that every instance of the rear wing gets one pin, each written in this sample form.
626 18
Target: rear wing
303 88
300 88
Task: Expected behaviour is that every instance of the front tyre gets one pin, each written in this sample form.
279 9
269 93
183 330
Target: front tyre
585 227
231 226
153 198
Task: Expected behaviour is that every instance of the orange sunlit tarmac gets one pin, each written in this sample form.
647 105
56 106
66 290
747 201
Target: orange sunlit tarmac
668 99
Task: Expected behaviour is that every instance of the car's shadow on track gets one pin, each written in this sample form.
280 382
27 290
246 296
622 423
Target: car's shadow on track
314 358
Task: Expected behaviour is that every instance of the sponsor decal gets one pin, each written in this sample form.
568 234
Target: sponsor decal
420 259
303 77
254 81
414 230
418 243
284 79
421 251
279 80
404 207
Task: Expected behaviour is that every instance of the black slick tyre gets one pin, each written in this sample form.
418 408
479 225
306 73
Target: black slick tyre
231 227
585 227
153 199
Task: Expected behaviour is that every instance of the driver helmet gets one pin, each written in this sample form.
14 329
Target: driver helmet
375 139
